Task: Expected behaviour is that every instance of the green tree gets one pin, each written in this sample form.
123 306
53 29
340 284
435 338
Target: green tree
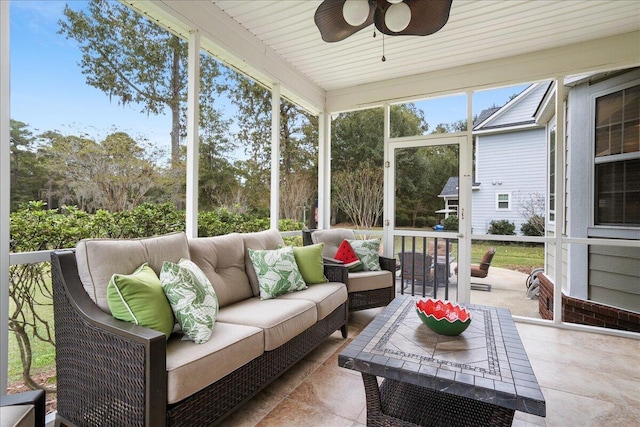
358 143
421 173
115 174
298 147
359 135
457 126
136 61
28 176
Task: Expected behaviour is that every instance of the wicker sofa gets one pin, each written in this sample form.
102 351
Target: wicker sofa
115 373
367 289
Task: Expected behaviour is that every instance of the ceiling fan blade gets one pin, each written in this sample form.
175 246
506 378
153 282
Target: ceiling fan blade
427 17
330 21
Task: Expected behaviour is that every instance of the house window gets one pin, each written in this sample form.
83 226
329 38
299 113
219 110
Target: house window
503 201
617 158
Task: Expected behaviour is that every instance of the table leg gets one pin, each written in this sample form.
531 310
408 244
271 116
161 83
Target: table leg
375 416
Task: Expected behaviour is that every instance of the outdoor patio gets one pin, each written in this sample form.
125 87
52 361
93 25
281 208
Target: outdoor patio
508 289
602 389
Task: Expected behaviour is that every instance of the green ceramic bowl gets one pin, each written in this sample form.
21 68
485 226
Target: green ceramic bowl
443 317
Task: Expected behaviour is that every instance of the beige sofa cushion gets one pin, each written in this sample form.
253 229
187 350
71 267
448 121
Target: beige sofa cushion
369 280
326 296
99 259
268 239
17 416
221 258
332 239
281 319
191 366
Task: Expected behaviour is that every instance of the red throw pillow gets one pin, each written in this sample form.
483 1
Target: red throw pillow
346 254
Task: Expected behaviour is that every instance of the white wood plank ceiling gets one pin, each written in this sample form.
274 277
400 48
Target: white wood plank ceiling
476 31
278 40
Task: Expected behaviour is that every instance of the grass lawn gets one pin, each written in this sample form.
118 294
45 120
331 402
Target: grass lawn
513 256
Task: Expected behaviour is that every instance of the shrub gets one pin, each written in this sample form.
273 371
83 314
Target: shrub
421 222
502 227
402 219
451 223
534 226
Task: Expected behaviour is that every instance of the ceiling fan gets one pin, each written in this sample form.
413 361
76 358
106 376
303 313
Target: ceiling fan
338 19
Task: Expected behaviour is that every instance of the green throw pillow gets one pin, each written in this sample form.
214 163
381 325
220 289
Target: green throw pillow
277 272
309 260
192 298
368 253
138 298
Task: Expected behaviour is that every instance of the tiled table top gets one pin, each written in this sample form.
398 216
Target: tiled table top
487 362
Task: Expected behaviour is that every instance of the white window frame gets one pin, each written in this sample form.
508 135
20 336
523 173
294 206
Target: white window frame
498 201
605 159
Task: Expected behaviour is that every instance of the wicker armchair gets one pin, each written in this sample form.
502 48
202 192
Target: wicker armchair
481 270
367 289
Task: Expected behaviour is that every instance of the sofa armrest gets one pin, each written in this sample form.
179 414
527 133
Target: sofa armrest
388 264
104 363
336 272
35 398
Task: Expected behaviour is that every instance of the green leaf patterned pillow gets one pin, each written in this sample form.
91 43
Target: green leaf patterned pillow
192 298
368 253
277 272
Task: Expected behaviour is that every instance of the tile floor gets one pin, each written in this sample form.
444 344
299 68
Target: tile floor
587 380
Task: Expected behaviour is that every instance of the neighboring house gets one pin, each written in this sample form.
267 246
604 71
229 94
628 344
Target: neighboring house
602 186
515 151
510 163
449 195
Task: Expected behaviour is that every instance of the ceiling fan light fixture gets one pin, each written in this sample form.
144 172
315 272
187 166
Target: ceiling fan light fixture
395 1
397 17
355 12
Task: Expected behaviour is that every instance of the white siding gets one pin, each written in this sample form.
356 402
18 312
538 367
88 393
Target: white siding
514 163
522 109
604 275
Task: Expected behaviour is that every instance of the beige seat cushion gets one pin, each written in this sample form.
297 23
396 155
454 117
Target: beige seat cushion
99 259
191 366
326 296
17 416
221 258
332 239
261 240
281 319
369 280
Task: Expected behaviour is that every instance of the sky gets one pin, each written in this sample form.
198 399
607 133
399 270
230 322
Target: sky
48 89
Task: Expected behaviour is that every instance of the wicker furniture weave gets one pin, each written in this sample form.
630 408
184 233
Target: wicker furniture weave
113 373
363 300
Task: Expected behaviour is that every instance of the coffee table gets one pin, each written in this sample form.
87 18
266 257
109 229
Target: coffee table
480 377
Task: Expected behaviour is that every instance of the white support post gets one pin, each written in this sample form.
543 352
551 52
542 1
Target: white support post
193 134
388 226
5 178
275 155
560 199
324 170
465 180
